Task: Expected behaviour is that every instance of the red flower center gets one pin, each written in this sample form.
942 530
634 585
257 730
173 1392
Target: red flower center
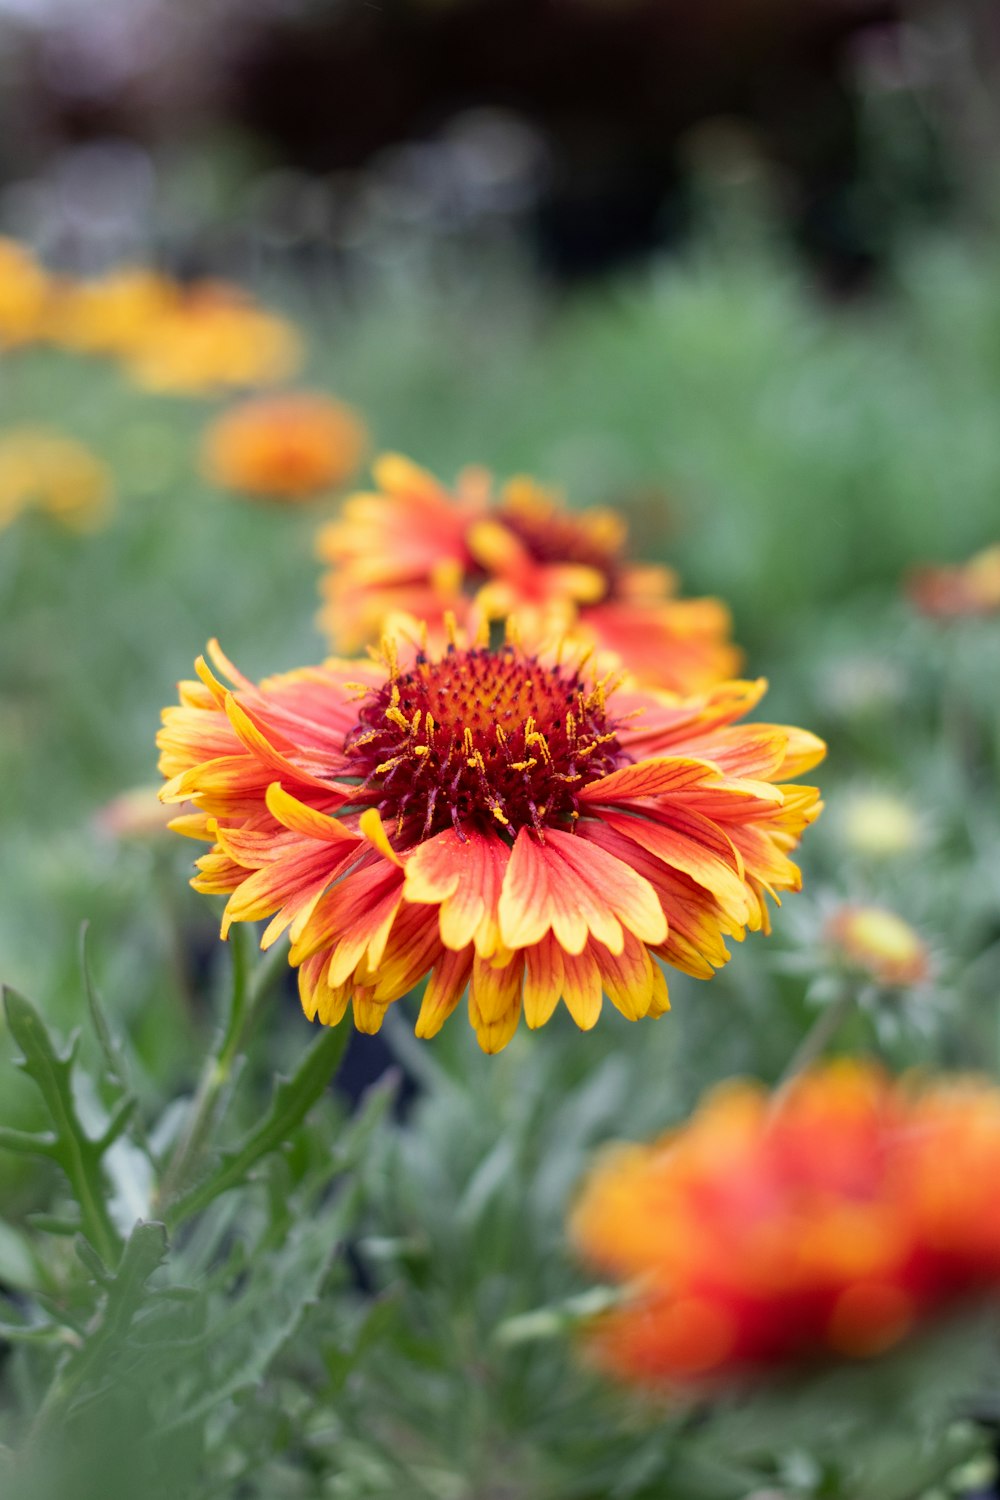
482 739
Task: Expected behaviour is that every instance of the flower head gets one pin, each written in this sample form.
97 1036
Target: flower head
879 944
213 338
24 292
414 546
134 814
287 447
880 825
814 1223
110 314
51 472
971 588
502 820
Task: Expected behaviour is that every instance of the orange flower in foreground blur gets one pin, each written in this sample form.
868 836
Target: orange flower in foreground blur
214 338
499 820
971 588
416 547
24 292
826 1220
45 470
284 447
879 943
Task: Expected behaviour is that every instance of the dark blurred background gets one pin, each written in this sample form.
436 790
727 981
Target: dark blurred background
209 132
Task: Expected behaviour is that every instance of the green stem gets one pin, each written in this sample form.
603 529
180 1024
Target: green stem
247 1003
819 1036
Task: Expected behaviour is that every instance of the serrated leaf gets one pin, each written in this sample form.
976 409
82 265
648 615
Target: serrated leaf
293 1098
244 1341
85 1371
72 1148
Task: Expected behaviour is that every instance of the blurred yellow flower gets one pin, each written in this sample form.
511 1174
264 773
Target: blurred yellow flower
879 943
880 825
288 447
24 292
214 338
49 471
110 314
828 1219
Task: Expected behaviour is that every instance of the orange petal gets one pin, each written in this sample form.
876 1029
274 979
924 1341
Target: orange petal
660 777
686 841
308 821
463 877
581 988
627 978
495 1002
543 977
444 991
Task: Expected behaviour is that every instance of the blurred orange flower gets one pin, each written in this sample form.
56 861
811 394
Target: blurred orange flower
879 943
24 293
48 471
501 821
135 814
971 588
289 447
826 1220
414 546
214 338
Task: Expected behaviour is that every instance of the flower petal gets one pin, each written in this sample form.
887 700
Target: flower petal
495 1002
463 877
445 988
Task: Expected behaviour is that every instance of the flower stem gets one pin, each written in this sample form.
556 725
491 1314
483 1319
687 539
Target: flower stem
248 997
819 1035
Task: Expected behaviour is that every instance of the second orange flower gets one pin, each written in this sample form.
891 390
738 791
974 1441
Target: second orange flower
412 545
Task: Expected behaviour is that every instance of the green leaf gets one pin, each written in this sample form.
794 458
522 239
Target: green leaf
70 1146
85 1371
116 1070
241 1344
19 1264
292 1100
31 1333
30 1142
54 1224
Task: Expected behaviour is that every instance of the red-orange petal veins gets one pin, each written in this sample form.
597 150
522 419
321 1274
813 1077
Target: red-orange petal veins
491 819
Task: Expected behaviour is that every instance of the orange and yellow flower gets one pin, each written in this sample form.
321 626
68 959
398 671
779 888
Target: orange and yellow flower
814 1223
24 293
970 588
501 821
289 447
414 546
212 339
48 471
